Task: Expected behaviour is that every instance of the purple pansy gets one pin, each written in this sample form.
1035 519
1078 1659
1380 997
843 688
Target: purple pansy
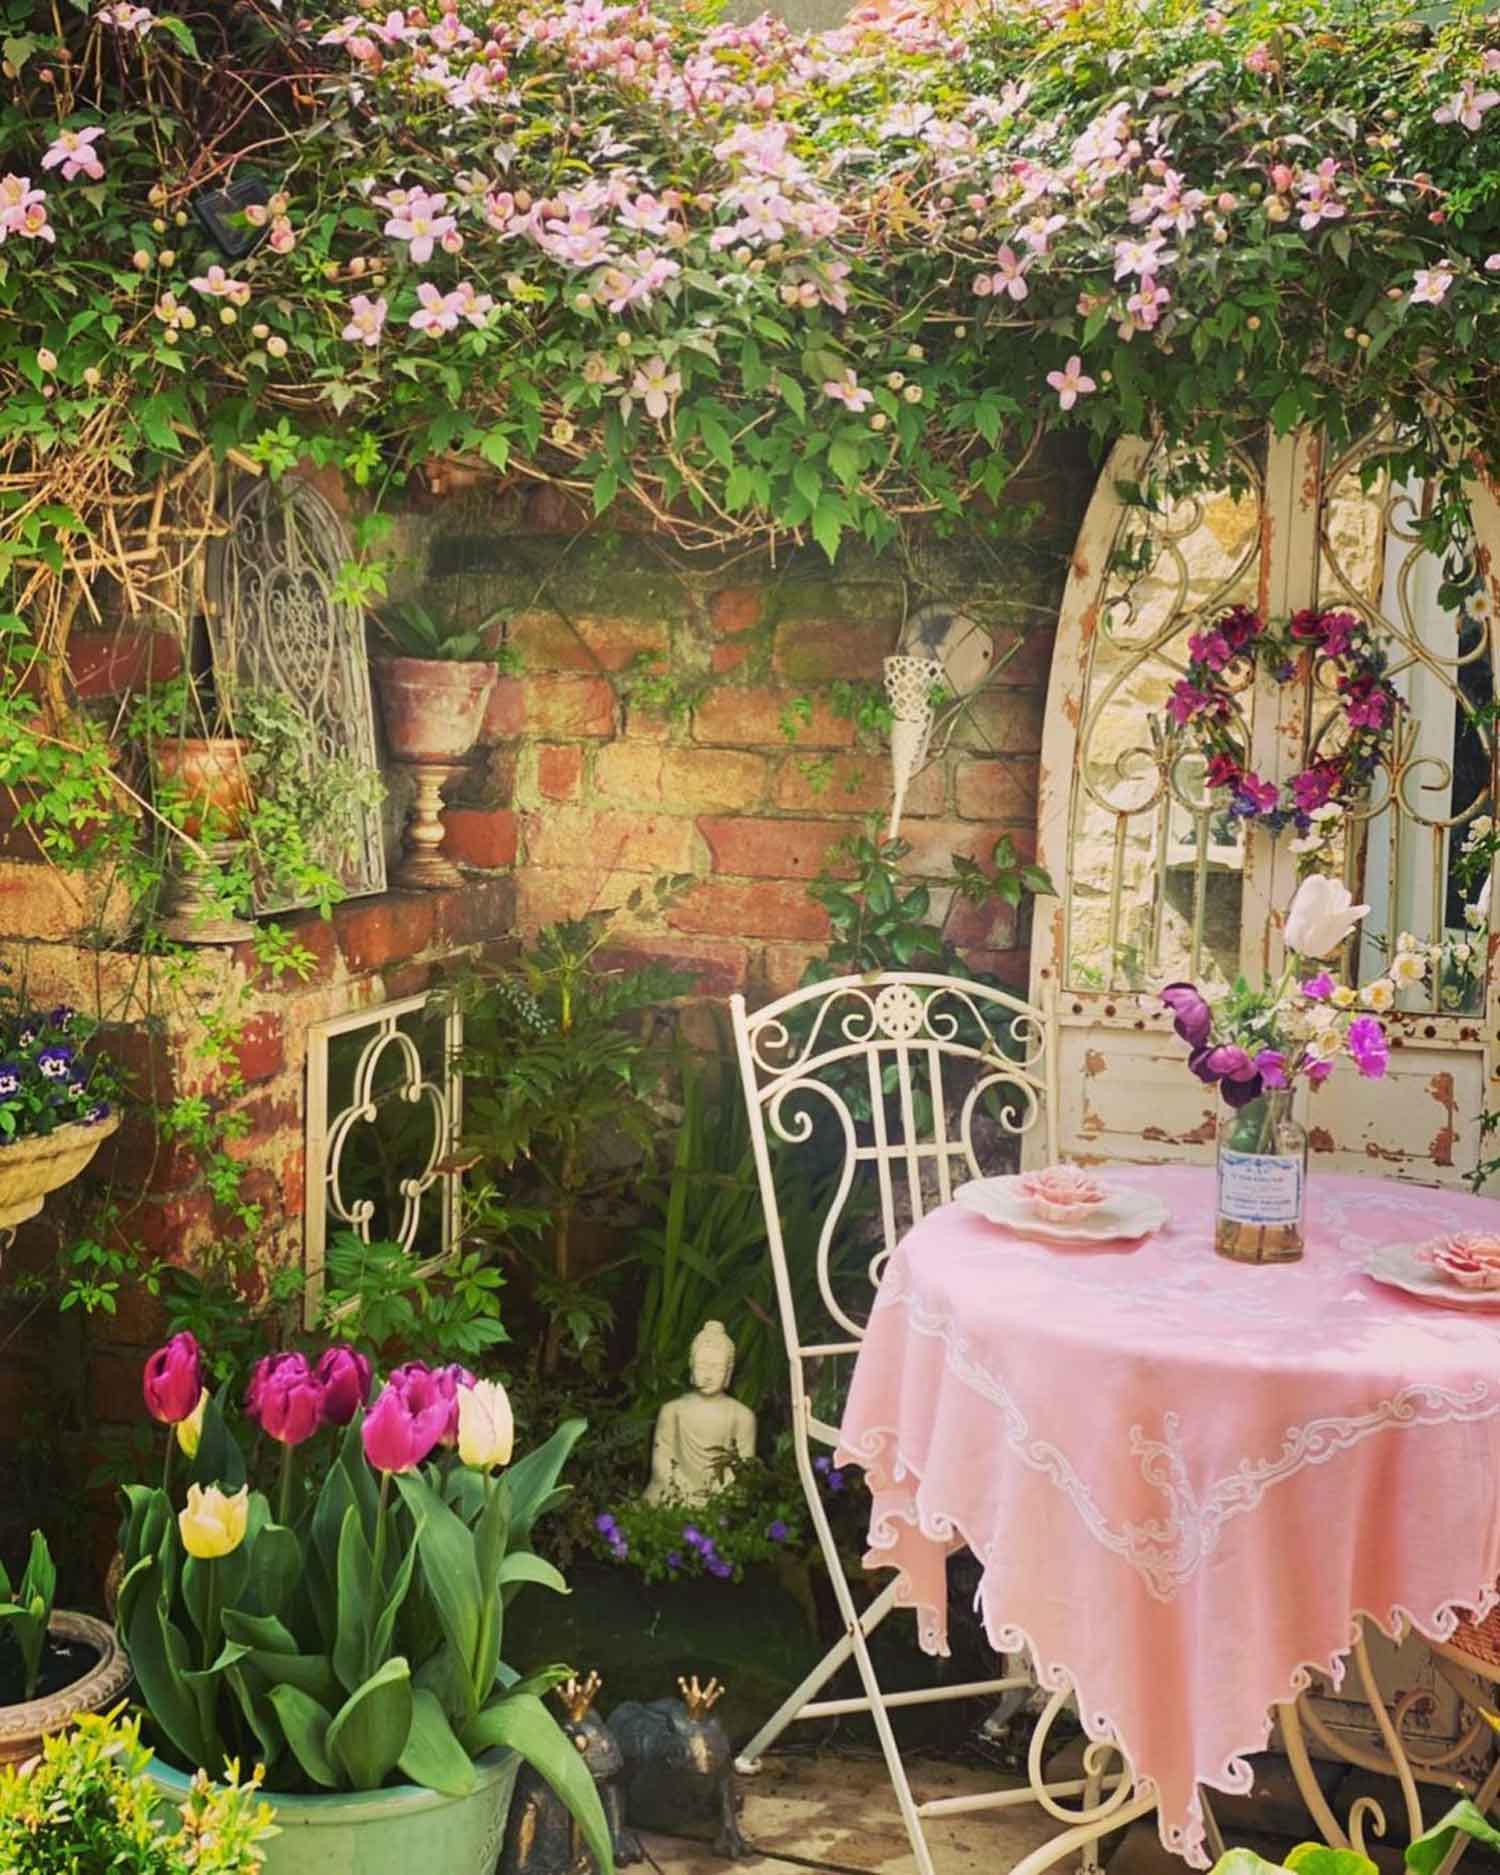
55 1062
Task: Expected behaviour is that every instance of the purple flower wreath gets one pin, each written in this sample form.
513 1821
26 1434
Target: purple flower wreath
1203 703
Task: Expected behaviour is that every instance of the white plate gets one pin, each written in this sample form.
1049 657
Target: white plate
1128 1214
1397 1267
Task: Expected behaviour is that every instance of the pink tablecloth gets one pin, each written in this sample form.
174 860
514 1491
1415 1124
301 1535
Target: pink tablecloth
1185 1478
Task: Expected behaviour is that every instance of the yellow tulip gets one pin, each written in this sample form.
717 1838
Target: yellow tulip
486 1426
190 1430
213 1524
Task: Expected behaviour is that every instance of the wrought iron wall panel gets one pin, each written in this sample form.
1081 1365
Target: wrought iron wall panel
277 629
384 1114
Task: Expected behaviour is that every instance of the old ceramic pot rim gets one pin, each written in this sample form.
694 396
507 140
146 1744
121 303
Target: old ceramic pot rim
465 672
23 1726
341 1808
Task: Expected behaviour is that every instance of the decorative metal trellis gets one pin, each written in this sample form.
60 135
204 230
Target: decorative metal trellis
384 1095
279 631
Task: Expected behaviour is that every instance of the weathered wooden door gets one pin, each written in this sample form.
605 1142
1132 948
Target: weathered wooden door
1157 883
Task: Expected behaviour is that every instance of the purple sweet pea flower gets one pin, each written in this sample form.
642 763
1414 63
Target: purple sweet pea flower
1270 1065
1230 1062
1368 1046
1191 1016
1318 1071
1320 987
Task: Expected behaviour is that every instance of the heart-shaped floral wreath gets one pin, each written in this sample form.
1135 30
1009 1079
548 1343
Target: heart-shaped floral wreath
1202 703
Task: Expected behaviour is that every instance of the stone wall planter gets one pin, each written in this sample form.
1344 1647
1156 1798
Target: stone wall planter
433 710
31 1169
403 1830
210 772
100 1686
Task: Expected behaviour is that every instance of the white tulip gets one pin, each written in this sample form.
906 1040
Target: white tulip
486 1426
1321 916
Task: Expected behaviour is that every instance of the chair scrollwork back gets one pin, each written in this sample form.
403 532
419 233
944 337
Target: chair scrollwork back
902 1069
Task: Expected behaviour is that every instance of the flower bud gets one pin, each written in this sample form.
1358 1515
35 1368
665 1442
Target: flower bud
276 346
140 260
879 420
212 1524
167 258
46 360
285 1398
189 1431
912 394
227 315
406 1422
173 1379
486 1425
344 1374
91 376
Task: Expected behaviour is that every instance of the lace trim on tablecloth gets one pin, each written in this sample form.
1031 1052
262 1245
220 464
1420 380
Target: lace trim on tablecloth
1234 1775
1169 1551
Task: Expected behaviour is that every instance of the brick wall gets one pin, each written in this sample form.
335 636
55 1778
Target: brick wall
588 787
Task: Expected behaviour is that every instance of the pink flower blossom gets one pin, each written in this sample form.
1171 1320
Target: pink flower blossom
74 150
1432 284
1492 265
475 307
1070 383
1320 198
366 320
434 315
422 223
1467 106
1142 257
216 284
18 203
1010 275
1038 232
126 18
656 386
849 392
1145 304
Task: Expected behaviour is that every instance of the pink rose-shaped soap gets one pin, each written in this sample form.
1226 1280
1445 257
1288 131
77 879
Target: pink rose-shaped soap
1063 1194
1471 1258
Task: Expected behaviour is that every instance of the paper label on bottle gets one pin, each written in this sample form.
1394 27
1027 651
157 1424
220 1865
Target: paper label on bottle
1260 1187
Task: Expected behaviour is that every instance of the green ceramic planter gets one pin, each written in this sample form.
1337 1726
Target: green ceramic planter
400 1831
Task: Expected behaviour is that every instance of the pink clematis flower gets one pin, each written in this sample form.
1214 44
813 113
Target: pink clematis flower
127 19
366 320
475 307
1010 275
656 386
74 151
1070 383
422 224
849 392
1467 106
216 284
1432 284
20 208
434 315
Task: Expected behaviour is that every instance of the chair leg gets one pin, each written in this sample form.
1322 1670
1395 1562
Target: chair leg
748 1762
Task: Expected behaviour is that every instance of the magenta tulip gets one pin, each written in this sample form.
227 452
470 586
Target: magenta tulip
345 1376
173 1380
406 1421
285 1398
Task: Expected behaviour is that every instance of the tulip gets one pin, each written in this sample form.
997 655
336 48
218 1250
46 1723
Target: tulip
345 1377
486 1425
190 1430
447 1380
406 1422
173 1380
212 1524
1321 916
285 1399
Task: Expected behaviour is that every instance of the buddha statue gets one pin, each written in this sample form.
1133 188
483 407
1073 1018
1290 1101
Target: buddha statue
701 1435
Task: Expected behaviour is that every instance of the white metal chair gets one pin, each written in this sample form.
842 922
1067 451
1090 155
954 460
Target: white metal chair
899 1045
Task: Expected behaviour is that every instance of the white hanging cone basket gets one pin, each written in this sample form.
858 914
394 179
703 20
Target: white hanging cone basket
909 684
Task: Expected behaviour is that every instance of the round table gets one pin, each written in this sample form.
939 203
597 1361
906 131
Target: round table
1187 1480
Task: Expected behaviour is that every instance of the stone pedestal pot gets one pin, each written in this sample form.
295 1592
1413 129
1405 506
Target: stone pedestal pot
23 1727
433 708
403 1830
210 771
32 1168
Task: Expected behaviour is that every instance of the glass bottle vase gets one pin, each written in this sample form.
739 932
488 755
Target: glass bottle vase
1262 1181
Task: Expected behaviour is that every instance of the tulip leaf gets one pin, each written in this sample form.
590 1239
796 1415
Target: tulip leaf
356 1571
306 1724
521 1566
533 1479
146 1515
275 1566
380 1637
433 1756
260 1715
159 1659
490 1533
218 1459
522 1722
369 1732
448 1568
334 1500
361 1478
260 1631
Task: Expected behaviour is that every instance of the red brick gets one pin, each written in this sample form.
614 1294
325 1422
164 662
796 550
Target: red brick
784 965
999 790
559 770
768 908
262 1187
587 641
814 650
717 968
478 912
735 609
266 1117
140 1319
570 836
726 658
934 842
545 897
992 925
855 784
171 1227
114 1385
752 718
1012 967
1006 722
39 901
144 1161
260 1051
1031 666
144 1056
772 849
312 933
407 980
505 713
388 929
111 664
482 837
570 706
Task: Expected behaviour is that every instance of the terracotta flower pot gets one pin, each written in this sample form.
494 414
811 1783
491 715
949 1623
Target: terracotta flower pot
210 771
23 1727
32 1168
433 708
